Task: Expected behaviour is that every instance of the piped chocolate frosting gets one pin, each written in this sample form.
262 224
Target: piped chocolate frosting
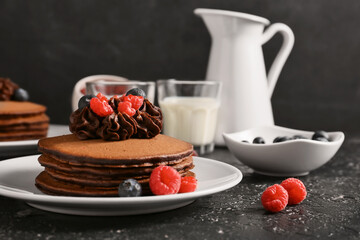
7 89
146 123
117 126
84 123
149 121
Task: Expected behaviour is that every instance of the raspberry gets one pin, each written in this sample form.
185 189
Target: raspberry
274 198
136 101
296 190
188 184
101 108
101 97
164 180
122 97
125 107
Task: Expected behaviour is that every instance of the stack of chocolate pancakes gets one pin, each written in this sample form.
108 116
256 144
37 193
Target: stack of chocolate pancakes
96 167
22 120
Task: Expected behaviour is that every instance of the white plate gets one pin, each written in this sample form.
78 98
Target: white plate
291 158
26 146
17 177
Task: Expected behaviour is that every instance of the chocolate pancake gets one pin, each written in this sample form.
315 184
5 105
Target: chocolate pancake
129 153
96 167
49 185
13 109
22 121
32 127
15 121
22 135
87 180
103 172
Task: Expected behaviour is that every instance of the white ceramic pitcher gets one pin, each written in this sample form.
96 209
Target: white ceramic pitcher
236 59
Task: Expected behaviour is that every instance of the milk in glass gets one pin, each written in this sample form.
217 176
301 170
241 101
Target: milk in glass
191 119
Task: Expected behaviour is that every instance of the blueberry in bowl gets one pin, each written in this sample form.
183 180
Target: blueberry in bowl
281 139
259 140
286 152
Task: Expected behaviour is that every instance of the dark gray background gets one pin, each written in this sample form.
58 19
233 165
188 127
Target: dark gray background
47 46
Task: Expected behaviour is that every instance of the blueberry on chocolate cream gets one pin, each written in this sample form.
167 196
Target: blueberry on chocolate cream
259 140
136 92
20 95
84 101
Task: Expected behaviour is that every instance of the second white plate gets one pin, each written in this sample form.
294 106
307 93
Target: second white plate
213 177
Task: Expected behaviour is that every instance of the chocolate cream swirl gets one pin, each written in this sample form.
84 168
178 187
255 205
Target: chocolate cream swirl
84 123
117 126
149 121
7 89
146 123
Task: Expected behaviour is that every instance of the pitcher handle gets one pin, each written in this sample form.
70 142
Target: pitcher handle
283 54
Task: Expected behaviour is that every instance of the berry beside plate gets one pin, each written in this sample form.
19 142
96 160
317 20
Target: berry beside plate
291 191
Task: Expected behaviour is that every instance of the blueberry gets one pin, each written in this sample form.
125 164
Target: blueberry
299 137
320 134
321 139
281 139
136 92
84 101
20 95
259 140
129 188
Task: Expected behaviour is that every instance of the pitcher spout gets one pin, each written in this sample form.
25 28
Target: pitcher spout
224 22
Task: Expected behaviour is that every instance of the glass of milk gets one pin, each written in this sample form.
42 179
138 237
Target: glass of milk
190 111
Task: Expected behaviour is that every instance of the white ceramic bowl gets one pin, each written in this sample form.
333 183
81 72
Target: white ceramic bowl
291 158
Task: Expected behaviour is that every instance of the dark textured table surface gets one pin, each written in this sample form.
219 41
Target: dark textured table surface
331 210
